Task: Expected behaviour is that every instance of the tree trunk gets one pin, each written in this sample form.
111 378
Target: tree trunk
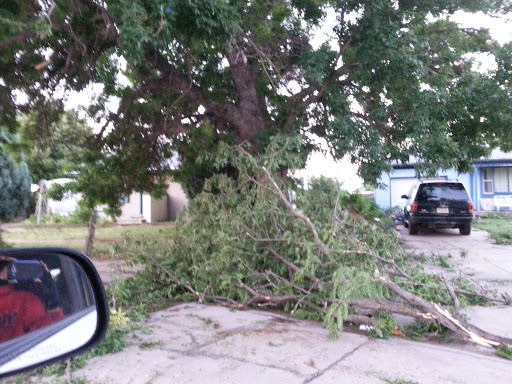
89 242
250 120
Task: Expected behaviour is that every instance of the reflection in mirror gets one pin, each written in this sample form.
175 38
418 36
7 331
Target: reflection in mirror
47 308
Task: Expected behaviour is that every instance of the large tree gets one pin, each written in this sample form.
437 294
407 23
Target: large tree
392 79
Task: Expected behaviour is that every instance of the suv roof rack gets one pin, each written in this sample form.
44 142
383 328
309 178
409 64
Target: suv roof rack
438 179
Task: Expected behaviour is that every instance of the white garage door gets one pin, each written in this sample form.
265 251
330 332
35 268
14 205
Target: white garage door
400 186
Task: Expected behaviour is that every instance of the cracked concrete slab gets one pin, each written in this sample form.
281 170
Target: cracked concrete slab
483 259
224 342
192 341
223 370
424 363
302 348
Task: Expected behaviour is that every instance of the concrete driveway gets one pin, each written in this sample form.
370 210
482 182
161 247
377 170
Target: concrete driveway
195 343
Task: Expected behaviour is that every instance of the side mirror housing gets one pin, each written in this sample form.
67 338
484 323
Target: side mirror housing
50 316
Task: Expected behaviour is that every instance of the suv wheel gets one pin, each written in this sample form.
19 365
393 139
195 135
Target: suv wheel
413 229
465 229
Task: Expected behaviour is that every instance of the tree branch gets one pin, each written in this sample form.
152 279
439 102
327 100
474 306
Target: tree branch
258 298
466 330
284 200
456 301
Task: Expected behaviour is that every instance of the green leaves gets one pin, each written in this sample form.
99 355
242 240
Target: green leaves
317 64
133 28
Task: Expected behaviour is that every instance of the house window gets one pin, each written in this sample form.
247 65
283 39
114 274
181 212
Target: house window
487 174
497 180
125 200
501 180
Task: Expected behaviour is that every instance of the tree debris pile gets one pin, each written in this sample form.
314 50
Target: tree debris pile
322 255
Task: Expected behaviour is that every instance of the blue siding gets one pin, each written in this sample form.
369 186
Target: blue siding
476 189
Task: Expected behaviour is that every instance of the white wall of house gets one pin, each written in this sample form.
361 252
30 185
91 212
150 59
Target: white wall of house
132 206
146 207
136 208
177 200
152 210
159 210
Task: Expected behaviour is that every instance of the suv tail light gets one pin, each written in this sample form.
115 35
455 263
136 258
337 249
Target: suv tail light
414 208
470 207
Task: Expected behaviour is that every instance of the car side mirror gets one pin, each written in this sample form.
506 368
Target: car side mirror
52 307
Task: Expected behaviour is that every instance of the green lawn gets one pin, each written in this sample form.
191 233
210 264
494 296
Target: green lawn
498 225
73 236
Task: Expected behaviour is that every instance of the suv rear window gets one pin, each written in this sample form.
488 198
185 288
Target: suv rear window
441 191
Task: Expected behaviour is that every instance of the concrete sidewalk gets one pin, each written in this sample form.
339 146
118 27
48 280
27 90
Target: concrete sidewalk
195 343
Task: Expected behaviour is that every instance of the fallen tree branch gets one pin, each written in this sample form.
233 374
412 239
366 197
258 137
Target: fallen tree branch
293 267
258 298
172 277
391 306
456 302
279 193
459 326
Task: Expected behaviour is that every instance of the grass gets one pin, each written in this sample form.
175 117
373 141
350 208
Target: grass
399 381
73 236
499 227
505 352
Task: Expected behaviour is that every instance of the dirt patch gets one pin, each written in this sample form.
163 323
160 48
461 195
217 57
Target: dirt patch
111 270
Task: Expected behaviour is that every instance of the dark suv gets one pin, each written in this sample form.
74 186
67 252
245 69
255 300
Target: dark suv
438 204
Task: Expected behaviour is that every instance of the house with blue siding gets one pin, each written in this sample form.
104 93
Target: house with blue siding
489 184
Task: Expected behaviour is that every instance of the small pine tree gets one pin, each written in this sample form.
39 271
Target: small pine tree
14 188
